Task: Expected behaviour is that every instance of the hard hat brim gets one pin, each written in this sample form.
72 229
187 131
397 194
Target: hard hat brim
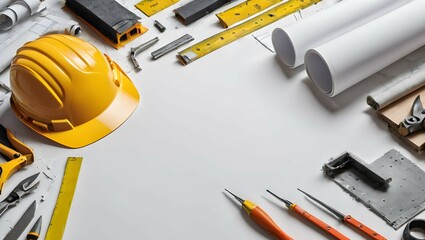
87 133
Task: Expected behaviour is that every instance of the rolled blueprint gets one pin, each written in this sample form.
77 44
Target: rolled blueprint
47 25
5 3
399 88
346 60
293 41
17 11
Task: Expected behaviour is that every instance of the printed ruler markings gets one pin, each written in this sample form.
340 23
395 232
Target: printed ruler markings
243 11
150 7
225 37
64 201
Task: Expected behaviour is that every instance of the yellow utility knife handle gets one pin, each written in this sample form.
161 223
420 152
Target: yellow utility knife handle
319 223
365 229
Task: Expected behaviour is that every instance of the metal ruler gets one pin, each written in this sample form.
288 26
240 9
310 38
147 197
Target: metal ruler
225 37
243 11
64 201
150 7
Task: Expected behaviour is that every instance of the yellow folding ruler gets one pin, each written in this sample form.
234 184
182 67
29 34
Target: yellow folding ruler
63 203
243 11
150 7
225 37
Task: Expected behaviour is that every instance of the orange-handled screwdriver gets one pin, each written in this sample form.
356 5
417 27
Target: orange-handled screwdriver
348 219
319 223
259 216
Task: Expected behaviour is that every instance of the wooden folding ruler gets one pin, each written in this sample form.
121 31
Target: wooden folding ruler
225 37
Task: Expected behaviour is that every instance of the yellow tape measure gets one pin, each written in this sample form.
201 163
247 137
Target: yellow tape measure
63 203
225 37
150 7
243 11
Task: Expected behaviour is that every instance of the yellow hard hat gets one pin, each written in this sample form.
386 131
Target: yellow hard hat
68 91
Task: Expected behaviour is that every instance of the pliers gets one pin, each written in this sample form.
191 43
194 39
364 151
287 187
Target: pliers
415 121
18 154
22 189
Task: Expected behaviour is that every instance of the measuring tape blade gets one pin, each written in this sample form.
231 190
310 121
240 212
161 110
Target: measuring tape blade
225 37
243 11
64 201
150 7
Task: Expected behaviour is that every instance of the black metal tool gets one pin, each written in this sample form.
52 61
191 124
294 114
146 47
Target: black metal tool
418 224
415 121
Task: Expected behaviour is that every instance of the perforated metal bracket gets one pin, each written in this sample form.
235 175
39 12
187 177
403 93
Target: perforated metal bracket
397 202
348 160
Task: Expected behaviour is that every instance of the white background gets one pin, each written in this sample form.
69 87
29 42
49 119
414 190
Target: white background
233 119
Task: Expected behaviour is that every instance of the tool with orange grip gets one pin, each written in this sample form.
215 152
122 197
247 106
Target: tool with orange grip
319 223
348 219
259 216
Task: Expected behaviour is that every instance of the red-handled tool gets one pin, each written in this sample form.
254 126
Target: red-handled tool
348 219
259 216
319 223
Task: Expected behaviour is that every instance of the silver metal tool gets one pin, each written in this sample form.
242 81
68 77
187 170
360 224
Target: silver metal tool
23 188
22 223
415 121
171 46
139 49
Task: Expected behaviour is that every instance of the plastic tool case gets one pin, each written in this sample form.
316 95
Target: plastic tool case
116 23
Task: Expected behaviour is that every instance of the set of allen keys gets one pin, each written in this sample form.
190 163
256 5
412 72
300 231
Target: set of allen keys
265 221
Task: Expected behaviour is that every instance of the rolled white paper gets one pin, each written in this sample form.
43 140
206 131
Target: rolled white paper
291 43
346 60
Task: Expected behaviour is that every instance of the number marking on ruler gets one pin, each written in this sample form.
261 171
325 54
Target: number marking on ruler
244 10
64 201
150 7
225 37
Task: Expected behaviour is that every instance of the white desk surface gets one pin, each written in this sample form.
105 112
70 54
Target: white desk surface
233 119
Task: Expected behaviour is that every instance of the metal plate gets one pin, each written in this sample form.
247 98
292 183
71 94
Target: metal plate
401 201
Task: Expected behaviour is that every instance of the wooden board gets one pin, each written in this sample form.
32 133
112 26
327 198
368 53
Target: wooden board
395 113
